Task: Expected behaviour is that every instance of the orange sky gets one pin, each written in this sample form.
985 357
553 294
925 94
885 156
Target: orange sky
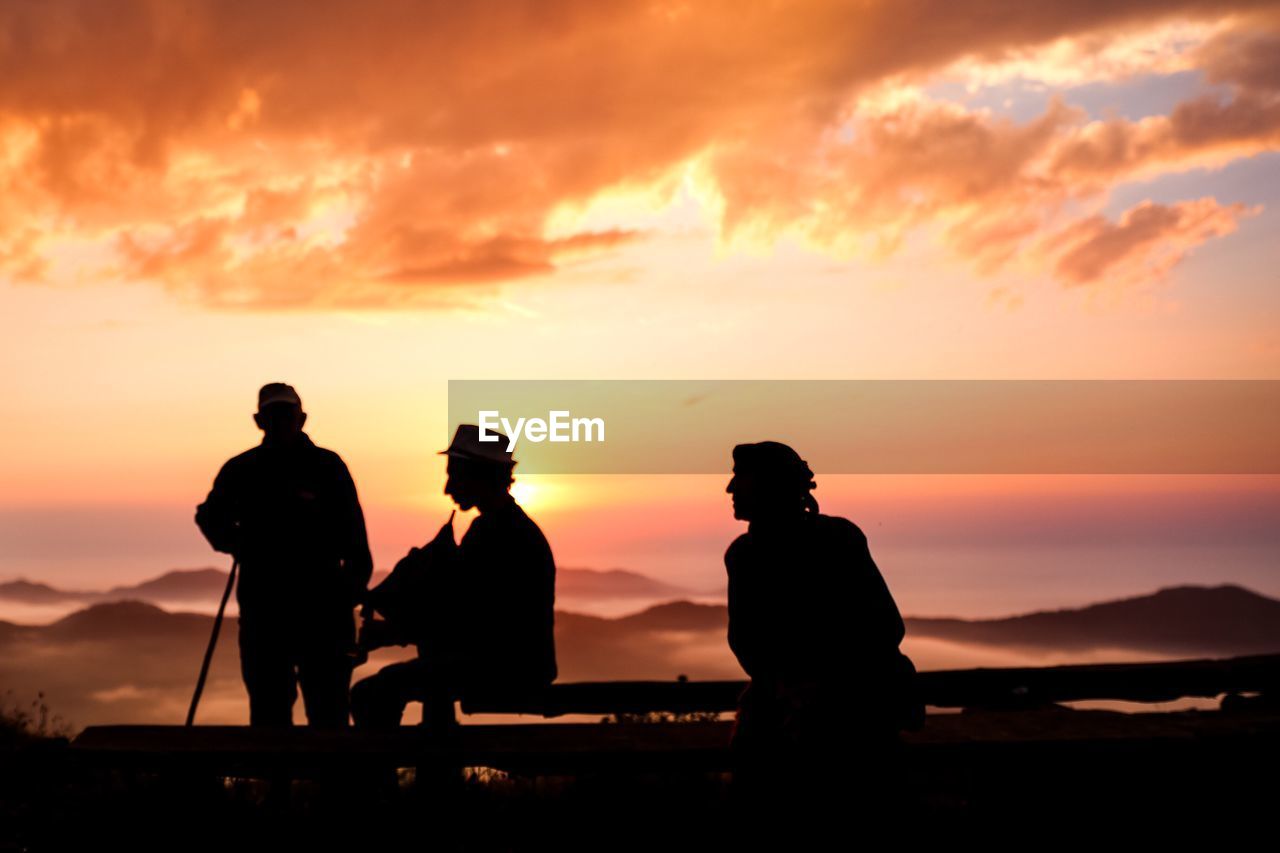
369 199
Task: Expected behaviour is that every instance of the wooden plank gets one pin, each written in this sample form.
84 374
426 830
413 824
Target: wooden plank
985 687
546 746
614 697
405 740
1136 682
549 748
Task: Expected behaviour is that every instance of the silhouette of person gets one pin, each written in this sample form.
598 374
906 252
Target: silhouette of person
287 510
482 612
814 625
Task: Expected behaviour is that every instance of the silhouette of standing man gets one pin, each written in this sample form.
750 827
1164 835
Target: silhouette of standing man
813 624
287 511
481 612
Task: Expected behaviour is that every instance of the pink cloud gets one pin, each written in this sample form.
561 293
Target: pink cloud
1145 243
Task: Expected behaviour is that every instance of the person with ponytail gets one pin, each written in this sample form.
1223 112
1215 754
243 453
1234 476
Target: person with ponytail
812 622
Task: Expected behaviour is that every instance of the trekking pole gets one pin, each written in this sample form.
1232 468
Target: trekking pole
213 642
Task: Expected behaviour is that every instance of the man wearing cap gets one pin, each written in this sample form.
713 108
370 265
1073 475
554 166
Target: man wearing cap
814 625
485 621
287 510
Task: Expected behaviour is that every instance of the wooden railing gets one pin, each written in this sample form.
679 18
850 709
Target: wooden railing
704 744
961 688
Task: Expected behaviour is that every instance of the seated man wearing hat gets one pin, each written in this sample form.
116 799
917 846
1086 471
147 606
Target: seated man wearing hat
480 612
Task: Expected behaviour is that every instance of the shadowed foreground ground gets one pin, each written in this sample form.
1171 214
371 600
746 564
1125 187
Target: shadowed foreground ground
1008 779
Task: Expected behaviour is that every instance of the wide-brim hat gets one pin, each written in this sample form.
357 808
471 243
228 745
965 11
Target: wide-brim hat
466 444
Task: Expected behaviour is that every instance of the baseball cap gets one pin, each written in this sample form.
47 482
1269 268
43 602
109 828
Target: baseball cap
277 392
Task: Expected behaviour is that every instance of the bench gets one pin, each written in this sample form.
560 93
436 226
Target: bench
1006 694
988 688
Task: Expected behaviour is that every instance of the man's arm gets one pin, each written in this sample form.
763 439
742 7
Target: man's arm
744 641
357 561
542 597
219 516
380 633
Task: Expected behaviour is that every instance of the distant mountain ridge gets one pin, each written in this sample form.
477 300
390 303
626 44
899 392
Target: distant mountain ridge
1193 620
1226 619
202 585
613 583
132 618
174 586
130 661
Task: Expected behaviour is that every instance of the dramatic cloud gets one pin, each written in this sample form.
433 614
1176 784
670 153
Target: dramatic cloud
996 187
379 153
1145 243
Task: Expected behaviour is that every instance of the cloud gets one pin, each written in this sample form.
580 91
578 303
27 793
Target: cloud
1249 58
297 154
995 188
1201 131
20 258
998 189
1100 55
1145 243
912 163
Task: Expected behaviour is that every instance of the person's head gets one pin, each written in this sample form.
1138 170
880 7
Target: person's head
479 472
279 414
770 481
477 483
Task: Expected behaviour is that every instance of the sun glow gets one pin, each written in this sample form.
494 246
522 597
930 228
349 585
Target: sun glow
527 494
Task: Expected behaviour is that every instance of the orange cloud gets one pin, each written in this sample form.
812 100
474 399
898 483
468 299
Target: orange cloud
997 188
294 154
1246 57
1145 243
